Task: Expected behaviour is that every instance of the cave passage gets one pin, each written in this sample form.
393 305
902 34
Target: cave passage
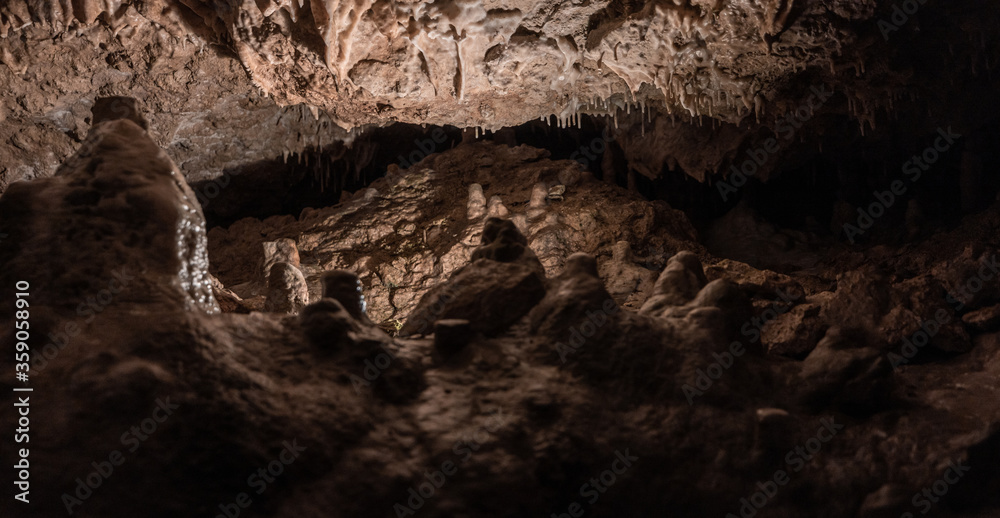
809 194
500 259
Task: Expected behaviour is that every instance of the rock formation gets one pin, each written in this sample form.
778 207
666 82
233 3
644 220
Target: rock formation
118 212
538 258
697 85
545 370
501 284
286 289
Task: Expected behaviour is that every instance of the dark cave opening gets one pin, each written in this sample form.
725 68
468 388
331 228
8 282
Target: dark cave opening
821 194
317 178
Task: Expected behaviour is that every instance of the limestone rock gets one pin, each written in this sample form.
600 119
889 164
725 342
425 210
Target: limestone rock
345 287
287 292
451 336
889 501
229 302
120 203
281 250
576 300
377 416
679 283
496 208
844 372
477 202
728 298
503 282
327 324
539 196
983 320
491 295
794 333
627 281
503 242
397 267
116 108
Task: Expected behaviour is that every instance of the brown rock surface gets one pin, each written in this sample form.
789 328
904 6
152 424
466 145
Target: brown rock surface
752 338
492 292
414 228
287 292
691 85
117 216
356 418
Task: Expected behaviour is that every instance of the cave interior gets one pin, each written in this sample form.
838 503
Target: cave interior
459 258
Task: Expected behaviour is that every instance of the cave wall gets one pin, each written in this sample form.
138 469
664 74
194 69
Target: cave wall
689 86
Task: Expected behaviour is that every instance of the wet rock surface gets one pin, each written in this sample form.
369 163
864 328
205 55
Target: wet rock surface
116 215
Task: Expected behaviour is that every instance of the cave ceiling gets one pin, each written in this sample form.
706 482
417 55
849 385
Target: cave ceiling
706 78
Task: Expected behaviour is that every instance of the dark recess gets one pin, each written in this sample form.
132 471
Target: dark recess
850 169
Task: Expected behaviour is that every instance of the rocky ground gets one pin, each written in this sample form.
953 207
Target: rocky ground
540 366
411 228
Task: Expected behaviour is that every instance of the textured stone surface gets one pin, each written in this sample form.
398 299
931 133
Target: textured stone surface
117 216
286 289
208 115
628 277
345 287
691 85
983 320
845 373
524 421
678 284
451 336
796 332
471 60
279 251
576 292
490 294
413 229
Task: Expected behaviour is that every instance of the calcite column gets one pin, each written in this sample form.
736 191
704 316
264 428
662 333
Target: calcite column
117 213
